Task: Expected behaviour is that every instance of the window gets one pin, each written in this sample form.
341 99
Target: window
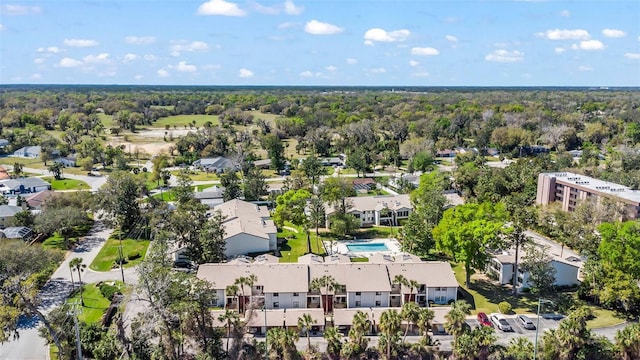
276 305
259 287
358 293
378 303
358 304
440 299
295 294
378 293
296 304
275 294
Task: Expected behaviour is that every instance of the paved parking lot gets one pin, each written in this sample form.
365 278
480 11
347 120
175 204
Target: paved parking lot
518 330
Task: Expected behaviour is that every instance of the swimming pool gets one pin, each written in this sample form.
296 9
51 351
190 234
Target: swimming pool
367 247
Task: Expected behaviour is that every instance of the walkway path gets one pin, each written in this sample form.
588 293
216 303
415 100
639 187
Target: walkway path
30 345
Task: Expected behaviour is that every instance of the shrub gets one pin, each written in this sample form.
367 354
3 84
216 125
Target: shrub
108 290
121 260
504 307
134 255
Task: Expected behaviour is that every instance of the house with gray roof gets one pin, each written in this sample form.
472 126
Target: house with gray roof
210 196
26 185
31 152
7 212
17 232
216 165
376 210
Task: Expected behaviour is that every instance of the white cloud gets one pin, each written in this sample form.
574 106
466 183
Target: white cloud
451 38
80 43
140 40
588 45
70 62
564 34
178 46
316 27
220 7
13 10
613 33
286 25
634 56
35 76
584 68
420 74
150 57
2 27
414 63
352 61
138 77
184 67
425 51
102 58
245 73
163 73
379 70
559 50
565 13
129 57
505 56
38 61
377 34
331 68
270 10
368 43
306 74
291 8
50 49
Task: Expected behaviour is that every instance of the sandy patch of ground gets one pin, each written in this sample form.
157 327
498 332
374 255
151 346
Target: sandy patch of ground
151 148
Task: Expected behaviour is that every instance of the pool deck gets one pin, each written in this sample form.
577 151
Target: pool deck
340 247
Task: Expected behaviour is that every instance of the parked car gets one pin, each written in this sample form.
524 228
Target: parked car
483 319
500 322
525 322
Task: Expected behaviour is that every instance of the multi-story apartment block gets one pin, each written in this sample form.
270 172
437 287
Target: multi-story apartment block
570 189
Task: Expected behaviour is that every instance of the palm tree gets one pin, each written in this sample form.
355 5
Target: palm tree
424 324
628 342
520 348
455 324
334 342
233 291
243 281
305 322
390 322
282 343
326 282
76 263
410 312
411 284
357 342
229 317
17 169
71 272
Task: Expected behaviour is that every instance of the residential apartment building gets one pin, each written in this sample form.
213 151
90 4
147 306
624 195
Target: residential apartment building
376 210
570 189
356 285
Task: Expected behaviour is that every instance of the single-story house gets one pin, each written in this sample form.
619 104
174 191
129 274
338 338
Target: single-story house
28 152
4 143
36 200
413 179
364 185
575 153
210 196
332 161
67 161
17 232
262 164
275 189
7 212
376 210
23 186
218 164
446 153
248 228
567 263
4 174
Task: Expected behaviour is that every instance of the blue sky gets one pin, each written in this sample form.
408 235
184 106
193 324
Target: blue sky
335 42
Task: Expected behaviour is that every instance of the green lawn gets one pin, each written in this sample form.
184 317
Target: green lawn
94 303
56 241
66 184
169 195
107 120
296 244
199 176
181 120
106 259
26 162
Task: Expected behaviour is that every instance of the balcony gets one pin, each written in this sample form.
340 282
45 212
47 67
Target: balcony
340 305
257 292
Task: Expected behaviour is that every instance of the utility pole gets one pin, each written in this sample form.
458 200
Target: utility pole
120 251
74 312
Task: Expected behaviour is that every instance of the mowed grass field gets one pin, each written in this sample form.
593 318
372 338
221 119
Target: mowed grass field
66 184
181 120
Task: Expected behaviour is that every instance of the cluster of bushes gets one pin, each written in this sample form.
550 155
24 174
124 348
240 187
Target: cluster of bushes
108 290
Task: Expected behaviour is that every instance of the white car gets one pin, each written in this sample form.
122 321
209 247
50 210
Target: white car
500 322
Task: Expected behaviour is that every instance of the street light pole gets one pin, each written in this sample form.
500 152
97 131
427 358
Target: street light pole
266 347
535 349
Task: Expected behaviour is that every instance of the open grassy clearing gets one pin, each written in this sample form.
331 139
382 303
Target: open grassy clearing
199 175
66 184
179 121
56 241
107 120
26 162
106 259
296 244
95 303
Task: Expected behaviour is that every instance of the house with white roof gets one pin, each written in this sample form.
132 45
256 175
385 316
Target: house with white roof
7 212
376 210
248 228
26 185
31 152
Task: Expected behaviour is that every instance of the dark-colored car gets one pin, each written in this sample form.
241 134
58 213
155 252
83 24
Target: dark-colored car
483 319
525 322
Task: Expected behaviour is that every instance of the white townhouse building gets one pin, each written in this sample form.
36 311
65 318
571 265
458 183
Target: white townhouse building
376 210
